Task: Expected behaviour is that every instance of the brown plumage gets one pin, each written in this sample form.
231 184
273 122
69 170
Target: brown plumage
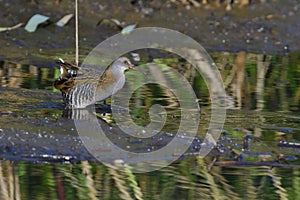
82 87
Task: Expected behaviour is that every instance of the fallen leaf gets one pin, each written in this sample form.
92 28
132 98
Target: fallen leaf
34 21
128 29
11 28
117 22
63 21
135 56
110 22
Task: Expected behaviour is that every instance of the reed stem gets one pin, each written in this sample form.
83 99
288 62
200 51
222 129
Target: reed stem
76 34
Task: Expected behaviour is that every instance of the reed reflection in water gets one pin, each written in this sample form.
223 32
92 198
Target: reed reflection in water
253 82
16 75
192 178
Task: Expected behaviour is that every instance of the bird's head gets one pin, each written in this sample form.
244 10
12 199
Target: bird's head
123 64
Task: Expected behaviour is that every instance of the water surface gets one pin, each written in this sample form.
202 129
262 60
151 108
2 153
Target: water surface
257 154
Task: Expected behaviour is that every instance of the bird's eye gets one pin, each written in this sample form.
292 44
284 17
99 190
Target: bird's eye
125 62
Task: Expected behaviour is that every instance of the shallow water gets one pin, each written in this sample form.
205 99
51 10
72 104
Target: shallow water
185 179
257 154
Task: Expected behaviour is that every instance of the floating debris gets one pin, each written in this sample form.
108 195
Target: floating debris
135 57
2 29
63 21
111 22
34 21
284 143
128 29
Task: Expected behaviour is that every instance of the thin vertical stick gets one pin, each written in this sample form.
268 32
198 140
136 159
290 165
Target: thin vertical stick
76 34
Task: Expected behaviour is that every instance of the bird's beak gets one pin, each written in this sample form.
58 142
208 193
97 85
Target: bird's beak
131 66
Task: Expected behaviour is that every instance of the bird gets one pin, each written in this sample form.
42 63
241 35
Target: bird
82 87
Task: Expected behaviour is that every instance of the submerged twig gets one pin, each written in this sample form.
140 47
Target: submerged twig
11 28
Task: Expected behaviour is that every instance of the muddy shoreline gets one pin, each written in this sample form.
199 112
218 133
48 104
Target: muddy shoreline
268 28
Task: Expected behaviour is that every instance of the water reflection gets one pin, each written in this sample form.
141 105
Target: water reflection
15 75
262 128
193 178
261 81
253 81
